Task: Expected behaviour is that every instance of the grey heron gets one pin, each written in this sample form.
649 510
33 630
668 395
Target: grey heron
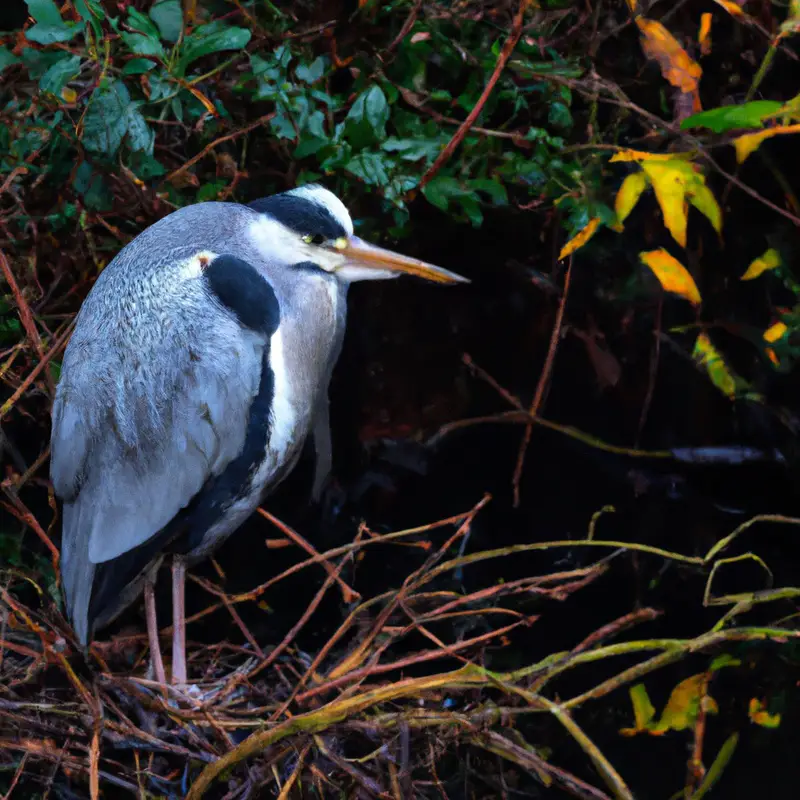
199 364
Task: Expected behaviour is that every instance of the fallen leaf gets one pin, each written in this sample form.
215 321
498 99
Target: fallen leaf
643 710
767 261
676 65
629 194
704 35
671 274
580 238
684 704
775 332
757 711
750 142
706 354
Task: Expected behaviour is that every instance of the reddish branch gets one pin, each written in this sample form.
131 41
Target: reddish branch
502 60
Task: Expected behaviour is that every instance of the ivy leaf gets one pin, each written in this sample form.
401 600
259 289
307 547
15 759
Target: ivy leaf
492 187
7 58
440 190
141 137
142 44
214 37
50 27
310 73
105 122
365 123
110 117
168 17
138 66
729 118
413 149
92 187
59 74
671 274
369 167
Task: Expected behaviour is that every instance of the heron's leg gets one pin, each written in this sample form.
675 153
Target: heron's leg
152 632
178 621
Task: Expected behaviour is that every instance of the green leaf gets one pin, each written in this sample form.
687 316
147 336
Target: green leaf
106 119
168 16
369 167
50 27
139 22
143 45
728 118
110 117
7 58
138 66
441 190
491 186
38 62
59 74
92 187
140 135
559 115
93 13
309 73
212 38
366 121
414 149
144 166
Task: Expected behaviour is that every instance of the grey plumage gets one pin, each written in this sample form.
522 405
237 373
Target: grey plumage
160 379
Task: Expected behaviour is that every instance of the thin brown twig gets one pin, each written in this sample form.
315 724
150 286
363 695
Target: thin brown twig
544 382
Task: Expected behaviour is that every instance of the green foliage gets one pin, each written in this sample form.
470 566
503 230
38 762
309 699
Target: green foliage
371 126
729 118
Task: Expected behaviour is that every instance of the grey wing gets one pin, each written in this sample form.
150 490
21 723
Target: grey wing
134 442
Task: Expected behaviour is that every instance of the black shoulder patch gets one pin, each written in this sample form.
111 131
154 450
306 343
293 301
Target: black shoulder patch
240 288
301 215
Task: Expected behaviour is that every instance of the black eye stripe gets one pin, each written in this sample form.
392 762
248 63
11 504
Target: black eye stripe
303 216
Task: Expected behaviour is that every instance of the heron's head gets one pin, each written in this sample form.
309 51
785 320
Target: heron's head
311 225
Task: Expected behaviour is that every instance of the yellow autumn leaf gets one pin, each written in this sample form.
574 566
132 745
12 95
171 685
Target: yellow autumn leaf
669 180
643 710
69 95
580 238
704 35
734 9
775 332
676 182
627 154
684 705
750 142
629 194
706 354
676 65
767 261
757 711
671 274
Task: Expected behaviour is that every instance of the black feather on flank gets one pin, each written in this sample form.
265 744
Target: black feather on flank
301 215
242 290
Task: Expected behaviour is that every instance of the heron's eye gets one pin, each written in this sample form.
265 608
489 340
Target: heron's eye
316 238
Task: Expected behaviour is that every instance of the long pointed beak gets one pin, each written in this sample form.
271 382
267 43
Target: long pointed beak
361 254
